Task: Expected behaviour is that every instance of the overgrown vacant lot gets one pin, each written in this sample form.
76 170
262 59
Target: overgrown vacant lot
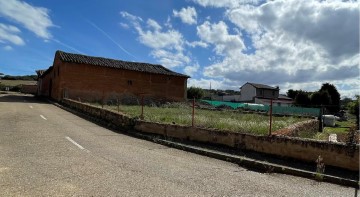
180 113
12 83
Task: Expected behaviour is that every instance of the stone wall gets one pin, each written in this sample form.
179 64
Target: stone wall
334 154
114 119
29 89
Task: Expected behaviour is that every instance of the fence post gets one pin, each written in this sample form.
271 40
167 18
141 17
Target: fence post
102 100
321 122
118 105
142 108
271 103
193 112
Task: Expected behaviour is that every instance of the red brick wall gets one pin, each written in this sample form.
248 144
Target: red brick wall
44 84
95 82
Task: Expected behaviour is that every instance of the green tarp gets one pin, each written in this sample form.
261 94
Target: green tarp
266 108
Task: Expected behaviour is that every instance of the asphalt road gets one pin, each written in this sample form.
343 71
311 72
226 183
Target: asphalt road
46 151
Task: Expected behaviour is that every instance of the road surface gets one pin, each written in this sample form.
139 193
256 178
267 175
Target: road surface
46 151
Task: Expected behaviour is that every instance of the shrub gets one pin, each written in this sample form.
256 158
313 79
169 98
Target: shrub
196 93
16 88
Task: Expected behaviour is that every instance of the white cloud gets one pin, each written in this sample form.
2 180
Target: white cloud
170 59
9 34
197 44
225 3
205 83
297 43
124 25
153 24
153 37
168 23
170 39
218 35
35 19
130 17
7 48
167 44
191 69
187 15
334 26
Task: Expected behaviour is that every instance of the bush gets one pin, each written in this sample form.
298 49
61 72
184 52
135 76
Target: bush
354 109
16 88
2 87
196 93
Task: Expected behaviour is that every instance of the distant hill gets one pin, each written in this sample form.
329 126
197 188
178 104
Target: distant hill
24 78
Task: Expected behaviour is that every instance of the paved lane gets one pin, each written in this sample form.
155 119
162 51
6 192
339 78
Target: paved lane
46 151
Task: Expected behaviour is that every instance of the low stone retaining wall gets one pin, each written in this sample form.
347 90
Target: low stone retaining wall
334 154
29 89
114 119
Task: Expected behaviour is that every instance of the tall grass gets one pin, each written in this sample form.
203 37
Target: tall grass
224 120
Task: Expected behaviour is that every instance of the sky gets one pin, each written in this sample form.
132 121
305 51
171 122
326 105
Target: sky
293 44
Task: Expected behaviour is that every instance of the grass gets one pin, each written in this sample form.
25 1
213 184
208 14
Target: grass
12 83
341 129
180 113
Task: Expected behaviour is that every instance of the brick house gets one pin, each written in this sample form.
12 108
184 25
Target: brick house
90 78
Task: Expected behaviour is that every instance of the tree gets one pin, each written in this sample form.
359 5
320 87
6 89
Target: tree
302 99
292 93
334 95
354 109
344 102
196 93
316 98
325 98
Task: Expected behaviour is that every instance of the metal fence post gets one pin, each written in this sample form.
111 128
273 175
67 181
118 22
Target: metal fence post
118 105
102 100
271 104
193 112
321 121
142 108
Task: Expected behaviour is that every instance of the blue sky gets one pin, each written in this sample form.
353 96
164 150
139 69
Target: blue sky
287 43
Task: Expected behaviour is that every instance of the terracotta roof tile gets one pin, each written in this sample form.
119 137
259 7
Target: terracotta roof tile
106 62
262 86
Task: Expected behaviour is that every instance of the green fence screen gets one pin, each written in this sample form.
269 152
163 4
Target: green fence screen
265 108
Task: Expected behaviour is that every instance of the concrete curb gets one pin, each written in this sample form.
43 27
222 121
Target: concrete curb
249 163
258 165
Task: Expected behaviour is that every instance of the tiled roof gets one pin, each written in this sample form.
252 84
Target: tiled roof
262 86
284 97
100 61
40 72
43 73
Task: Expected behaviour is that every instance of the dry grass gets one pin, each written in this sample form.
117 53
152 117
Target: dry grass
180 113
12 83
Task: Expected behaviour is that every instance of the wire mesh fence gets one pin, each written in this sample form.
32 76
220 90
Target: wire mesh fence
235 117
187 113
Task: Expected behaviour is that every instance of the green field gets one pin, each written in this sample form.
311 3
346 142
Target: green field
12 83
181 114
